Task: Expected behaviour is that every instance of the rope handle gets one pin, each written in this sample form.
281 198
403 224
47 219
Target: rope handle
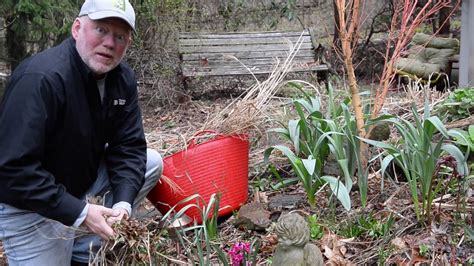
192 141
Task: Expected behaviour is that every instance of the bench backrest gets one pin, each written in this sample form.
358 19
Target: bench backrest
208 54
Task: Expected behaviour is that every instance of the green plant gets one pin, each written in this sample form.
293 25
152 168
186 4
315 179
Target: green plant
316 230
210 215
259 183
418 156
289 11
35 25
352 151
376 228
459 104
350 229
384 254
271 181
228 11
467 140
158 21
424 250
313 137
368 225
344 144
169 124
199 249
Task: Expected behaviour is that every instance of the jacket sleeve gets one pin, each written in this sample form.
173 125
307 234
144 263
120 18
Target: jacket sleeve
28 114
126 154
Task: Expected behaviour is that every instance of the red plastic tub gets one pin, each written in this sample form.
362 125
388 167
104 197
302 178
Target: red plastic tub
219 165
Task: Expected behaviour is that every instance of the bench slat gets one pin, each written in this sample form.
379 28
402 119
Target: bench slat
247 62
232 35
242 41
232 70
240 48
246 55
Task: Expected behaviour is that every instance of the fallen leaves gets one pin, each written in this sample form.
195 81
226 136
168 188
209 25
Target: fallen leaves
335 249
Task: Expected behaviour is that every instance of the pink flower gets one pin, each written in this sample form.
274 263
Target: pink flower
237 253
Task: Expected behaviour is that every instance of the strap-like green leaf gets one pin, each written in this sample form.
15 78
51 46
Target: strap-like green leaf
339 190
309 164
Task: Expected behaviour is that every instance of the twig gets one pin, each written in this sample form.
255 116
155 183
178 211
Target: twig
444 197
461 123
452 206
398 214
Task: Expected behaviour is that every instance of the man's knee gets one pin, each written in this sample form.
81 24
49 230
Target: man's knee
153 160
154 165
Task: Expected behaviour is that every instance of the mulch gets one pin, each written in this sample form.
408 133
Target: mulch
168 127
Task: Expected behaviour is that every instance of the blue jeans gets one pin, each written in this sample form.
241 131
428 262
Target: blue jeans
31 239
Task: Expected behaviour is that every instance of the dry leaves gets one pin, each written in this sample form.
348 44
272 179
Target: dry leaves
335 249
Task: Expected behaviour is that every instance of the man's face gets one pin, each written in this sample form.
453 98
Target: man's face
101 43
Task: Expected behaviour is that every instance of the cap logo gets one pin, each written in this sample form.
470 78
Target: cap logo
120 4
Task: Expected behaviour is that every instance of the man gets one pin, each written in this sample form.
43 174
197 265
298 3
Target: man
70 130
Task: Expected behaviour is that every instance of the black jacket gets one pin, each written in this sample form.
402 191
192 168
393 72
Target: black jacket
53 131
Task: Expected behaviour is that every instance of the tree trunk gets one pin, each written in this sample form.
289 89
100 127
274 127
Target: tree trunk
336 41
15 39
348 26
444 22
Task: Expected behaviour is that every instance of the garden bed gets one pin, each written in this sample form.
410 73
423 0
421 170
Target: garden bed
385 231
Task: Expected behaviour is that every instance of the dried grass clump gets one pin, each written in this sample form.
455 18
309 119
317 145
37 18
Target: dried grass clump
247 113
415 93
135 242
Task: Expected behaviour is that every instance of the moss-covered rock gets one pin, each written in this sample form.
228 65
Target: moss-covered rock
380 132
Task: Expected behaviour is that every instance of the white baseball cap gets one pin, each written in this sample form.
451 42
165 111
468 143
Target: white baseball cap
99 9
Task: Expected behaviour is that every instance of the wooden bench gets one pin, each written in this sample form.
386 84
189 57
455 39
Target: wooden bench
453 64
210 54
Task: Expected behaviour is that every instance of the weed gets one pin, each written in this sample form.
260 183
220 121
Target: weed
384 254
458 105
316 230
367 225
424 250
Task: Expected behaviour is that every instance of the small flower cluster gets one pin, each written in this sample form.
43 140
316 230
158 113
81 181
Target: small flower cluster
237 253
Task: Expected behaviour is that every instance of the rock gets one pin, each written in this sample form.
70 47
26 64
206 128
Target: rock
287 202
380 132
331 167
253 216
293 243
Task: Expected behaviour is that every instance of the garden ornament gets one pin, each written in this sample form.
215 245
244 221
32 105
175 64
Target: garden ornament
293 243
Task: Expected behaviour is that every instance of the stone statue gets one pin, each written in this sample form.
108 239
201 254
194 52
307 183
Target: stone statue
293 247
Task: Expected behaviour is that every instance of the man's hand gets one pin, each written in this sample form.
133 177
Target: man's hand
122 214
96 220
